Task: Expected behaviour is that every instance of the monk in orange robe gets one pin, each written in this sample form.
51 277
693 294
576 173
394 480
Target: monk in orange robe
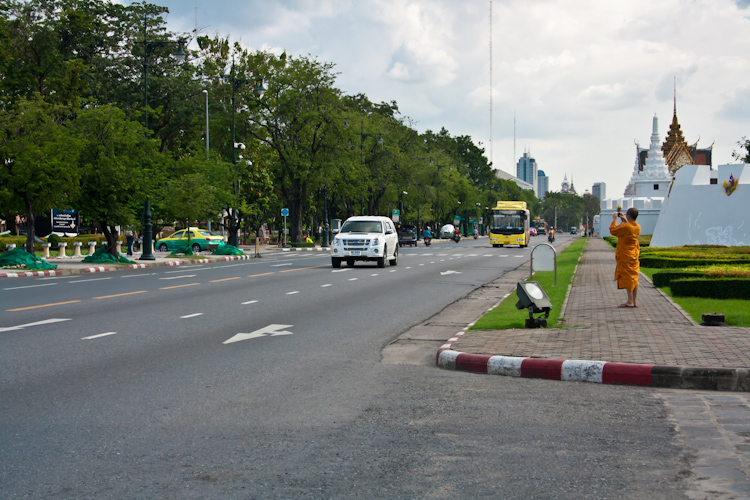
627 253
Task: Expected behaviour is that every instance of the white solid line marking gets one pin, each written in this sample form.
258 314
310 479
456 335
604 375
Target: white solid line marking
189 270
292 293
249 302
191 315
100 335
30 286
323 286
93 279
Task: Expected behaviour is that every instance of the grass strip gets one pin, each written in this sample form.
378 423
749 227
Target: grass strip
506 316
736 311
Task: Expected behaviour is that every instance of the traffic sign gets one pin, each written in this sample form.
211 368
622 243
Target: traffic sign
285 212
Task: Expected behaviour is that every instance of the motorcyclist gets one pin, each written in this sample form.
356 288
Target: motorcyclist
476 232
427 234
457 233
551 234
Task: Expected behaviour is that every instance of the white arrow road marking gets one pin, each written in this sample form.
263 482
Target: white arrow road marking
178 277
249 302
268 331
100 335
191 315
449 272
37 323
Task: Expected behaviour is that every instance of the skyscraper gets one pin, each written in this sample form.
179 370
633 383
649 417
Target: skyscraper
599 189
526 170
542 185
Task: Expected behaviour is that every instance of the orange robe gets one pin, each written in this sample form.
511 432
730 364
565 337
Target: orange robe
627 253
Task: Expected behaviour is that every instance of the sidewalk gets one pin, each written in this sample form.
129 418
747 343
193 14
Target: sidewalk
656 344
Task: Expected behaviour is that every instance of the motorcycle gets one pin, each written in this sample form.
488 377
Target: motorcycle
427 241
476 236
551 237
456 238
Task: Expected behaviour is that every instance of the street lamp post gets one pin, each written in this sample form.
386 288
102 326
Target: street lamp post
205 92
325 244
148 47
234 220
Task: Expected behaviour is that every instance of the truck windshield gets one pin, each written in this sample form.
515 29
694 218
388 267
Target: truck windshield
362 226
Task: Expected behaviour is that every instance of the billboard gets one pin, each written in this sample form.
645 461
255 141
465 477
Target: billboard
65 221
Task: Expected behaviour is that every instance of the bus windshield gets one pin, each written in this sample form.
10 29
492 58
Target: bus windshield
507 223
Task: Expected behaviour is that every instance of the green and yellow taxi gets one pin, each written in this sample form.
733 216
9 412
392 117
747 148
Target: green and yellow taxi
200 240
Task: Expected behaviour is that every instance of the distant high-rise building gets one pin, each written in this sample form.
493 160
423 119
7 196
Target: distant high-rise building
526 170
542 184
599 189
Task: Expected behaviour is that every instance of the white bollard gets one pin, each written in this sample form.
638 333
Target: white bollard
62 250
45 247
77 245
92 247
119 246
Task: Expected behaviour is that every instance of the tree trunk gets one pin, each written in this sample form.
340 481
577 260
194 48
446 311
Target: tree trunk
30 231
110 233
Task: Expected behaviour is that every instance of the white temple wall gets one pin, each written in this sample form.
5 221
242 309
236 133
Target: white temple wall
700 213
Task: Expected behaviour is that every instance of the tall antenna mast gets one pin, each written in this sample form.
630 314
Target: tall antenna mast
492 156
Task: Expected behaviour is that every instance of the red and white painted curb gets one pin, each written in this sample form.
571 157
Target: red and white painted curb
571 370
138 266
24 274
236 257
95 269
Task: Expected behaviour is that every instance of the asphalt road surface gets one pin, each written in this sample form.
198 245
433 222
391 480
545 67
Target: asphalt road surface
263 379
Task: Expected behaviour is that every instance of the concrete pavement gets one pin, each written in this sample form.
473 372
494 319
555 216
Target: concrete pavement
656 344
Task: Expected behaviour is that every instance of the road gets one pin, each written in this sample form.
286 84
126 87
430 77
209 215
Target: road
262 379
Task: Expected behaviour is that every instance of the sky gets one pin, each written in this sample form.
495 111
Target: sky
575 83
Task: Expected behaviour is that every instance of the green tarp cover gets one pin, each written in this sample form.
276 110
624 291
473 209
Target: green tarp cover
18 257
187 250
228 250
101 256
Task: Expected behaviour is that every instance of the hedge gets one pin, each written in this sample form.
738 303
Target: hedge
729 288
657 262
664 278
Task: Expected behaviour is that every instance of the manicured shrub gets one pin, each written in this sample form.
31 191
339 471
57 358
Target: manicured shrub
659 262
54 241
729 288
664 278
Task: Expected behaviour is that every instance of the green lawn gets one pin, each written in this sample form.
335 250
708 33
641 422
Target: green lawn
736 312
505 315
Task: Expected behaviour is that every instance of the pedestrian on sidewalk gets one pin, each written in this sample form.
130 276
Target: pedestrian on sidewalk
129 238
627 253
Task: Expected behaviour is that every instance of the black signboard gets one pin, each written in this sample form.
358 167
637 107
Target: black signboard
65 221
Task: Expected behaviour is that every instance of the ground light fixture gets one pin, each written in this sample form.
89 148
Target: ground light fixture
532 297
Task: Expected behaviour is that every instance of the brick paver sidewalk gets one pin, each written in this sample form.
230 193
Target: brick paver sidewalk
656 332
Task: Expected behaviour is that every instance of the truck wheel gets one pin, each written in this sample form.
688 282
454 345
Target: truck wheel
350 262
336 262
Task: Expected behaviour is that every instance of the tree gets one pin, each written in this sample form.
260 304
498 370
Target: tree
744 152
120 169
38 161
